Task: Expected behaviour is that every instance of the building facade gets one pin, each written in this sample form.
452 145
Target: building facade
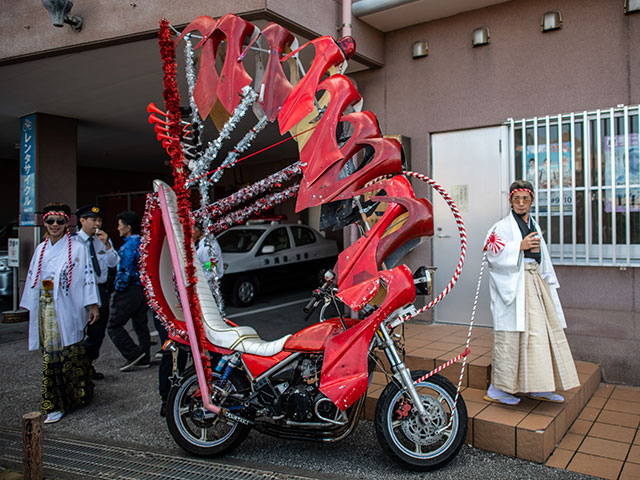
556 81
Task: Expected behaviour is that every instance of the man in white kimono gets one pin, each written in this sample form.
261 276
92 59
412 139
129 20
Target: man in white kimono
61 296
209 253
530 351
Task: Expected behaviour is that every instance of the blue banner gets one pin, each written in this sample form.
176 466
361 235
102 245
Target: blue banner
28 170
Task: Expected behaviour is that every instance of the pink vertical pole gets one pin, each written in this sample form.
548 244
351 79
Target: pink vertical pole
184 301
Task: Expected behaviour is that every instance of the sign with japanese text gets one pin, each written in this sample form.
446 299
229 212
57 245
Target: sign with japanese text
28 170
13 256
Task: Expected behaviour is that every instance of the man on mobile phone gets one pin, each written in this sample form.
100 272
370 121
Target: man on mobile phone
102 256
531 354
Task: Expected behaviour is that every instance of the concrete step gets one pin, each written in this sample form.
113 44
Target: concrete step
530 430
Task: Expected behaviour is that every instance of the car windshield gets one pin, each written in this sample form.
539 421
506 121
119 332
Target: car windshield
239 240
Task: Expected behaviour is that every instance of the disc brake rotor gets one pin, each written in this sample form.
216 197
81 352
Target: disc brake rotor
425 433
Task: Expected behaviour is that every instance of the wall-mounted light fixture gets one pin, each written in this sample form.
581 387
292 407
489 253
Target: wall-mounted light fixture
551 21
631 6
420 49
60 13
481 36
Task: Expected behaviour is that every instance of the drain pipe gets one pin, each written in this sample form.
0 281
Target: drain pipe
362 8
347 18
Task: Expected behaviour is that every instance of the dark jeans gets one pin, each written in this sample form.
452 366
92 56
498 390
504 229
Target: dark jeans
129 304
166 363
95 332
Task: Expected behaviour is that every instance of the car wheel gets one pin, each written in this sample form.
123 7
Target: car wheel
244 291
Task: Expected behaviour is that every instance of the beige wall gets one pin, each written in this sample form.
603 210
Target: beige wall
28 31
592 62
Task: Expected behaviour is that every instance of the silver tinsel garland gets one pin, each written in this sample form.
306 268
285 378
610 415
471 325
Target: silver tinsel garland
172 328
247 193
242 145
260 205
201 166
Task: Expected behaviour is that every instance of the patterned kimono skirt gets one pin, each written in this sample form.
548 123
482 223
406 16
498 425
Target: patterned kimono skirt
538 359
66 380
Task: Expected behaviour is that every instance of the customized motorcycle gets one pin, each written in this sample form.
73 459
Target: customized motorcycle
308 385
311 384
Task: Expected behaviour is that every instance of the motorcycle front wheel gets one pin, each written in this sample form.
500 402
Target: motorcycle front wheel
406 438
193 427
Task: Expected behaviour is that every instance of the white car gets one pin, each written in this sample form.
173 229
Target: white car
259 257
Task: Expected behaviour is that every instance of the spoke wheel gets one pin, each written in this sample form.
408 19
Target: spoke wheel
196 429
412 442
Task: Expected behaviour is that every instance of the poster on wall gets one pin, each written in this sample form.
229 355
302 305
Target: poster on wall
620 173
553 170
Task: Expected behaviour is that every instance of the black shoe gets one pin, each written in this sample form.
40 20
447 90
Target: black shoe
163 408
139 360
96 375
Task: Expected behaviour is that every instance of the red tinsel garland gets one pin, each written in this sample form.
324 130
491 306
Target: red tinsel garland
172 106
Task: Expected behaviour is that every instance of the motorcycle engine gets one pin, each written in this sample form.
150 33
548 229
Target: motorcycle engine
298 402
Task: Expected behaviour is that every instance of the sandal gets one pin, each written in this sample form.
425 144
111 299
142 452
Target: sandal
54 417
504 400
498 396
546 397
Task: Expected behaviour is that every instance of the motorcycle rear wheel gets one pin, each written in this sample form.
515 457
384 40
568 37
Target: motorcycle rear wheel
197 430
406 439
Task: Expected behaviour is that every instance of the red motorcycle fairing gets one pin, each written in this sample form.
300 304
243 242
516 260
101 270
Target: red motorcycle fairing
309 340
257 365
386 161
345 376
275 87
362 260
313 338
365 125
322 147
228 86
300 102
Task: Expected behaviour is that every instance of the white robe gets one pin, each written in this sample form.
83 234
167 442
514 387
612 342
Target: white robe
204 255
506 277
71 304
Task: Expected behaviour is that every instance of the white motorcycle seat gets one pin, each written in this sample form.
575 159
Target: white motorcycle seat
218 332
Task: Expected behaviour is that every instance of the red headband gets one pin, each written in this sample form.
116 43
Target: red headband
50 213
521 190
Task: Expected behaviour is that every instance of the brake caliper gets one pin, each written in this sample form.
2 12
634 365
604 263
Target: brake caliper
403 409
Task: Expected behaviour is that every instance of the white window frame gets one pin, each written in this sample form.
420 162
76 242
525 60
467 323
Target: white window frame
615 253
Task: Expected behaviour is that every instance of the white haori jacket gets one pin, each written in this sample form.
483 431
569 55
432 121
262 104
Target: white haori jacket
71 302
506 277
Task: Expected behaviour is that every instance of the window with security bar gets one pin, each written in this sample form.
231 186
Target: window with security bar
585 169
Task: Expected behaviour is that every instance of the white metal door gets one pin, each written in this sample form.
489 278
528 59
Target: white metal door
472 165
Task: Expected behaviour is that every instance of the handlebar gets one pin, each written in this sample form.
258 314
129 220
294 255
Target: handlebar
316 298
318 295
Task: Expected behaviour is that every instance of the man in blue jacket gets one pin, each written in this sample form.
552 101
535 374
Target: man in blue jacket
128 300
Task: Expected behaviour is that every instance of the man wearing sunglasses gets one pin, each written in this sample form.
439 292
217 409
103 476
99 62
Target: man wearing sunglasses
103 256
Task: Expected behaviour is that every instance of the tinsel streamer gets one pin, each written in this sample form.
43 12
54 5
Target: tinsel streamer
166 319
242 145
191 82
248 193
209 155
172 106
260 205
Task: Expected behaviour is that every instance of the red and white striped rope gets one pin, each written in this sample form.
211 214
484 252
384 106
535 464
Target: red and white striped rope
467 349
463 240
37 276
